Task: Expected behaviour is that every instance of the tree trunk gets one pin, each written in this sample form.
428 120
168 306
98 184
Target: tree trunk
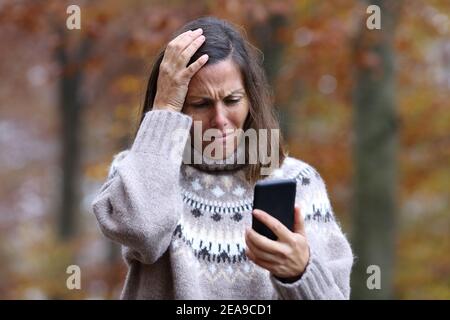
71 105
375 147
268 41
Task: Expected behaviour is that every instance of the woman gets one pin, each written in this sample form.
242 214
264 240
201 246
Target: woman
185 226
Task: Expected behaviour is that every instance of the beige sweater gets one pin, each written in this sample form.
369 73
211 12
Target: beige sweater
182 226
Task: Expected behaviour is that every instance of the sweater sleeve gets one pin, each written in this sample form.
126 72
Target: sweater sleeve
140 204
327 274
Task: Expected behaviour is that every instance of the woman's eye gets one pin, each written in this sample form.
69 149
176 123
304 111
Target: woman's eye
232 101
199 105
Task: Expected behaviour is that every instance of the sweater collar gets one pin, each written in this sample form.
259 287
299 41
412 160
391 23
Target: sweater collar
235 161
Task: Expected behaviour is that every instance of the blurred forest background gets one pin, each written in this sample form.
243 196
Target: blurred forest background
368 108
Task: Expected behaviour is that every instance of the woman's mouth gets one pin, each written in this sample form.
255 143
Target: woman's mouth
224 136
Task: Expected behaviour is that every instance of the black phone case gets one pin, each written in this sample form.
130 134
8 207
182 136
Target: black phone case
277 198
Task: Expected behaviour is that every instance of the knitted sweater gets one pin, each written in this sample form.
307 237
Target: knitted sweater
182 226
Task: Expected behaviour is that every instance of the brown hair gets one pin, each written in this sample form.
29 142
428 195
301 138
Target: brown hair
223 40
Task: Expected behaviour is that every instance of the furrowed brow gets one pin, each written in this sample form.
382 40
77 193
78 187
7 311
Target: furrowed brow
207 98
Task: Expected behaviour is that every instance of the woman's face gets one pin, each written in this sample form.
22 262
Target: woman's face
216 97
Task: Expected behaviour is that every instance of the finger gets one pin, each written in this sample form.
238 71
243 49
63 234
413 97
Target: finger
273 224
180 43
195 66
264 243
299 223
191 49
262 255
177 39
252 256
264 264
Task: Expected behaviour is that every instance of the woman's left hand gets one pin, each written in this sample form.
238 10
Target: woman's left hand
285 258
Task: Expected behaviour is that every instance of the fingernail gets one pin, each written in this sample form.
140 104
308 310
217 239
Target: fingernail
199 30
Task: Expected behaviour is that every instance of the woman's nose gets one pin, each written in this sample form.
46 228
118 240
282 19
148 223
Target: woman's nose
219 118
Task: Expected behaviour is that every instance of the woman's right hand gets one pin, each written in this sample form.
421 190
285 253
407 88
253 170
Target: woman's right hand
174 77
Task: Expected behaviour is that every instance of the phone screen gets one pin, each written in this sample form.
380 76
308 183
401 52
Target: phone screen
277 198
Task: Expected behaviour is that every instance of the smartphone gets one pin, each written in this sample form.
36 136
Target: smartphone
277 198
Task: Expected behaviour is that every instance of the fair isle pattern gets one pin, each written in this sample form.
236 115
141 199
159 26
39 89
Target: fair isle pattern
196 185
304 176
217 191
200 206
321 210
212 249
209 246
320 215
230 273
239 191
221 246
